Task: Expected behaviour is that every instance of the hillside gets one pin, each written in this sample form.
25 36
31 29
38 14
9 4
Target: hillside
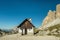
54 30
51 23
52 17
55 22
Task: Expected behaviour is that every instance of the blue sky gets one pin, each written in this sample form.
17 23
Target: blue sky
13 12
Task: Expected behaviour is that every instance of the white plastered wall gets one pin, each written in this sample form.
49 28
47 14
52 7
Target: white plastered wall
30 31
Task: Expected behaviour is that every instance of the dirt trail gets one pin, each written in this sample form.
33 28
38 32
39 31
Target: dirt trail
26 37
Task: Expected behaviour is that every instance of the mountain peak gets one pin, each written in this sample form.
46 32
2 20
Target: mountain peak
51 16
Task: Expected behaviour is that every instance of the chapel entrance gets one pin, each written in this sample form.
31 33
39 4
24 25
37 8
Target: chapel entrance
25 31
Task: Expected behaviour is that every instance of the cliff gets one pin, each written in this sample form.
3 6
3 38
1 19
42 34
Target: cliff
51 17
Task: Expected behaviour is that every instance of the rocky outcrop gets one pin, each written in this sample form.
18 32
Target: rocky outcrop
51 16
55 22
51 23
58 11
54 30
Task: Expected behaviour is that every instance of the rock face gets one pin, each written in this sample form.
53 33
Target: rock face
55 22
58 11
49 18
51 23
52 15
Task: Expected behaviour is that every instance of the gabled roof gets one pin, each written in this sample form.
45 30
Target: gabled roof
24 22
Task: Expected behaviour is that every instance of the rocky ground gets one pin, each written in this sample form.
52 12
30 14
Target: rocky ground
28 37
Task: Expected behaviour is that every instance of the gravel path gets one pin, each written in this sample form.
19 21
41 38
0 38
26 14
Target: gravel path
26 37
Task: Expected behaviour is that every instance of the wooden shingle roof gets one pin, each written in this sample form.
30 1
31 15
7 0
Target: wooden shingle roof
29 24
